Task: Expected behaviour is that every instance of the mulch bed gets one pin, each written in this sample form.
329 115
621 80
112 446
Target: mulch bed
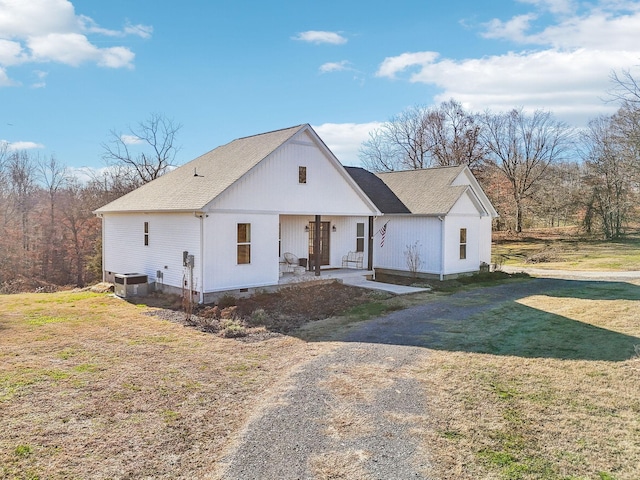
264 315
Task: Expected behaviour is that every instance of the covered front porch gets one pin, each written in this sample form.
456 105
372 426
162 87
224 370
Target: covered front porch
313 244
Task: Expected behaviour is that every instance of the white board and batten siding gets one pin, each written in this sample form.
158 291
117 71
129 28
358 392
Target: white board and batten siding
273 186
466 214
169 235
222 270
403 231
295 239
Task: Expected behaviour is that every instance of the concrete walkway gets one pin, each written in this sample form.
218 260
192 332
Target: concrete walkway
348 276
362 282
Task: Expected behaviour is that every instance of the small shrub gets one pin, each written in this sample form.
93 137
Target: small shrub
233 329
258 317
229 313
210 312
227 301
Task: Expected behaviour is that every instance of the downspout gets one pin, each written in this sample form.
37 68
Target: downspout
201 217
442 256
370 246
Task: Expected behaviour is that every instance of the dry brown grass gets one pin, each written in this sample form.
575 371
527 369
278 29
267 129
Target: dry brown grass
90 387
360 382
340 465
513 417
344 422
566 249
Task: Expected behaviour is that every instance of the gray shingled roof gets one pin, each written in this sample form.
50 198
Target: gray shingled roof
377 191
180 190
428 191
423 192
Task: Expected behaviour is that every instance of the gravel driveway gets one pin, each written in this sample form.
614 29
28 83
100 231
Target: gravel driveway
347 413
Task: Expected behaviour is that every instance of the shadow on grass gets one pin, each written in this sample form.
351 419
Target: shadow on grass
490 320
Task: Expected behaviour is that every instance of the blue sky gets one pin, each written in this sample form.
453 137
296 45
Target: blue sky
72 70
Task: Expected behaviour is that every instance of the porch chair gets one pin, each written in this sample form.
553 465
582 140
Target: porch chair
290 262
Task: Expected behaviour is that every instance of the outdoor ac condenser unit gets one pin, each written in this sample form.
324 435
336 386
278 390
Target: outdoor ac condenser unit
131 285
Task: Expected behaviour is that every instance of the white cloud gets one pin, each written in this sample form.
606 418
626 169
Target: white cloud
345 139
568 72
14 146
41 31
41 79
131 139
394 65
318 37
142 31
335 67
514 29
553 6
5 81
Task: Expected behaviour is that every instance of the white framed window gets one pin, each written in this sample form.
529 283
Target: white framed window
244 243
463 243
146 234
302 174
359 237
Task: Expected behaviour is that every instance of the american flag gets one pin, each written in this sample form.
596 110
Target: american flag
383 232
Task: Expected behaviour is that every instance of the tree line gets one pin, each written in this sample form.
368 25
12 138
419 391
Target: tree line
537 170
48 233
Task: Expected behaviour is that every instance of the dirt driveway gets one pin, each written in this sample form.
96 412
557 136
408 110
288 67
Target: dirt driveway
350 413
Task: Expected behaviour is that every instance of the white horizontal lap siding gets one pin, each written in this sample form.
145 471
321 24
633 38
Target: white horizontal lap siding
273 185
222 269
169 235
405 231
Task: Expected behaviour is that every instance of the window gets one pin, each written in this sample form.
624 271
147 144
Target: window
302 174
244 243
463 243
359 237
146 234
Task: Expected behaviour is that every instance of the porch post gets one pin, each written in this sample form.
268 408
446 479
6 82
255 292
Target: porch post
316 246
370 251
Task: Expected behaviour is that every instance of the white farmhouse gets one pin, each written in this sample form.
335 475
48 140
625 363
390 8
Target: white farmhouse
229 220
236 211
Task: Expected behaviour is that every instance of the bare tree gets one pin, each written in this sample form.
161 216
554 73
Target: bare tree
454 136
425 137
625 87
157 134
522 147
53 175
398 144
609 159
